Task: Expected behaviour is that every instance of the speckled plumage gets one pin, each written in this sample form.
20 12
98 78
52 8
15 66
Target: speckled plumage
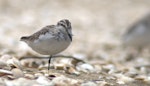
51 39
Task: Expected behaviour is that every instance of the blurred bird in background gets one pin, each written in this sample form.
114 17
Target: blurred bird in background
138 35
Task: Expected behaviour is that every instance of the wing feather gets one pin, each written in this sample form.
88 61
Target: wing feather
42 32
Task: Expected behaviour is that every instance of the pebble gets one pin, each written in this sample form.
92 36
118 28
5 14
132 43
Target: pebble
17 73
122 79
64 81
5 72
85 67
89 84
22 82
14 63
71 70
43 81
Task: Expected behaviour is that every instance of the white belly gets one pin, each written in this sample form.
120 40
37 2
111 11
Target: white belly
49 46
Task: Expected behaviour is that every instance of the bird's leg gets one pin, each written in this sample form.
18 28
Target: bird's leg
49 61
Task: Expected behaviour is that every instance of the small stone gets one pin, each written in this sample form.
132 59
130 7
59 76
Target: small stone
141 77
131 74
59 66
5 57
71 70
2 83
43 80
122 79
109 68
120 82
85 67
147 80
29 76
80 56
2 63
22 82
38 74
17 73
64 81
5 72
89 84
14 63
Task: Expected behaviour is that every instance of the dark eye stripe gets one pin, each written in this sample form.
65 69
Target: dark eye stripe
63 25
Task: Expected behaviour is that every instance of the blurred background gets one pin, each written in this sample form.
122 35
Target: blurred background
97 25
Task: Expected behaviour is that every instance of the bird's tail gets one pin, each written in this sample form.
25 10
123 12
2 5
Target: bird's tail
24 38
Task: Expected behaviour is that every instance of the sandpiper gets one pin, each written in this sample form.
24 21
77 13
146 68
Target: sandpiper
51 40
138 35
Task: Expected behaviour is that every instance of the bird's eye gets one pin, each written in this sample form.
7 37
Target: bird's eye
62 25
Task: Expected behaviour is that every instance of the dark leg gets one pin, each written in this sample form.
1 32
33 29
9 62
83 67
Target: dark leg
49 61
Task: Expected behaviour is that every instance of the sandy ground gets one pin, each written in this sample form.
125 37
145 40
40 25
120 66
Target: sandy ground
98 26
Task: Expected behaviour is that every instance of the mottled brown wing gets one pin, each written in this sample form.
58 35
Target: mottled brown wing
36 35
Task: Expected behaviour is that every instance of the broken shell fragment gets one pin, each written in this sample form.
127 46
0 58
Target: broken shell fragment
59 66
5 72
71 70
14 63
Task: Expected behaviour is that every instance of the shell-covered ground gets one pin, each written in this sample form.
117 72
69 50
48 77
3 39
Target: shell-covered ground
96 56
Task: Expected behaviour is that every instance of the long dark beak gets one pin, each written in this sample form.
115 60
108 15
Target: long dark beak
70 36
